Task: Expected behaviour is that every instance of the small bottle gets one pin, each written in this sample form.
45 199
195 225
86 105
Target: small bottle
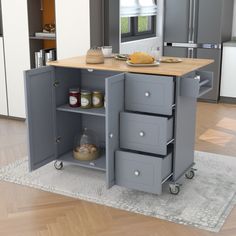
74 97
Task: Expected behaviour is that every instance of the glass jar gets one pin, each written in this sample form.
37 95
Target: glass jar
86 99
86 146
74 97
97 98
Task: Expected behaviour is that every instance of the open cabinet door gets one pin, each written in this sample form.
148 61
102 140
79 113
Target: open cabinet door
114 105
40 106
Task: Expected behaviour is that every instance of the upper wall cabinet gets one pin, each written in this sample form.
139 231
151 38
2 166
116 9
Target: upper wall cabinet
16 45
73 27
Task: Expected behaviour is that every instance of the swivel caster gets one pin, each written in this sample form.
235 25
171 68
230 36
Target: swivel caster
58 165
174 189
190 174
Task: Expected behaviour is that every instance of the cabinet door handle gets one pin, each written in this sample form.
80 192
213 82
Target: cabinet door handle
141 134
137 173
147 94
111 135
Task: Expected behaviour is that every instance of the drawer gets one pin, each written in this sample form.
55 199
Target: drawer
196 84
145 133
150 94
142 172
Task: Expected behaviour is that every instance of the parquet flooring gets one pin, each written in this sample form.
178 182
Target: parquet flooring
29 212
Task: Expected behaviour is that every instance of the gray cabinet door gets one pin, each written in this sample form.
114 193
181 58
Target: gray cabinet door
176 27
40 105
209 21
114 105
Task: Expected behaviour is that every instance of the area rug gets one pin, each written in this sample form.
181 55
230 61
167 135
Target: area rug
203 202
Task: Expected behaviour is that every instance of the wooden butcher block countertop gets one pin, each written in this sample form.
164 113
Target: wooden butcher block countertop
111 64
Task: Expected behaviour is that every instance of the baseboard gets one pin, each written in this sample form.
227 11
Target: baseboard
228 100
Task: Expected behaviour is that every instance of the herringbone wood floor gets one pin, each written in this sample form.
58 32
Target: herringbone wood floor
29 212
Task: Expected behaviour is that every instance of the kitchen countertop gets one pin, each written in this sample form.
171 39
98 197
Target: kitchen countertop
173 69
231 43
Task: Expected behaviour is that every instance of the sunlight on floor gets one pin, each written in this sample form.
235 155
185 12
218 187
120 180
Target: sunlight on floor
217 137
227 123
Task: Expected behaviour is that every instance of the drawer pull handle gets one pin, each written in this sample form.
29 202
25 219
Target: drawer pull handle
137 173
111 135
141 134
147 94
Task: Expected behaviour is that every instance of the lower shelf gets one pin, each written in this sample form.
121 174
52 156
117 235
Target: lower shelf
99 164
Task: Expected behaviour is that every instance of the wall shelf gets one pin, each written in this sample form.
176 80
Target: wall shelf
42 38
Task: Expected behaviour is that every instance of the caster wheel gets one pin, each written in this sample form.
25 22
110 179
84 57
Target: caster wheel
190 174
174 189
58 165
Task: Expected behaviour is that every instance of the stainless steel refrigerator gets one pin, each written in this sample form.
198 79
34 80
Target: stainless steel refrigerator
197 29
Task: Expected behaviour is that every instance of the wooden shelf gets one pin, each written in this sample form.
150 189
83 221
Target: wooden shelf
91 111
42 38
99 164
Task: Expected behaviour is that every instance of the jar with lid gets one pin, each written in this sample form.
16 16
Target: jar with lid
97 98
86 146
86 99
74 97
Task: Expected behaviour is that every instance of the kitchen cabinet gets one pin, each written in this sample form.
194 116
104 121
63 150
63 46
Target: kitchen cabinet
142 148
228 73
17 58
3 94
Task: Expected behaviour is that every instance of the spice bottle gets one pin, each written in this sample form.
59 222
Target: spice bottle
97 98
74 97
86 99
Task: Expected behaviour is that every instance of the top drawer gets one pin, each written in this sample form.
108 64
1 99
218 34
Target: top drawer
149 93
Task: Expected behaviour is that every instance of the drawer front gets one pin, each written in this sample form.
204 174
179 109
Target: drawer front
145 133
141 172
147 93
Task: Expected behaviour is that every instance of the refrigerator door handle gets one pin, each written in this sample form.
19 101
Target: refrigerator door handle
190 23
194 20
190 52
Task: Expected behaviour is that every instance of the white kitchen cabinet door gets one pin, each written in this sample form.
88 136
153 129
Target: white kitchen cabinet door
72 27
3 93
228 73
17 56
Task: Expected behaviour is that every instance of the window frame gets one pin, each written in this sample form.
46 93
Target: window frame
134 34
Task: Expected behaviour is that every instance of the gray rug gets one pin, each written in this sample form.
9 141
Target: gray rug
204 202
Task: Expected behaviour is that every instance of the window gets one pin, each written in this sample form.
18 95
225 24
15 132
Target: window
138 19
140 27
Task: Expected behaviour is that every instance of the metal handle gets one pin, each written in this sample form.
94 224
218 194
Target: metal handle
111 135
147 94
190 23
194 20
137 173
141 134
190 52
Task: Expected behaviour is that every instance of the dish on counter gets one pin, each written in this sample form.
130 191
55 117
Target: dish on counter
171 60
122 57
155 63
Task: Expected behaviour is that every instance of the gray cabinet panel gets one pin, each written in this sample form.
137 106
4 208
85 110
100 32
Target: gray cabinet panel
175 52
148 93
142 172
209 21
40 103
215 68
196 84
176 26
145 133
114 105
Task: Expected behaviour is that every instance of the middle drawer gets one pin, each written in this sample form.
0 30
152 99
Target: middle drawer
145 133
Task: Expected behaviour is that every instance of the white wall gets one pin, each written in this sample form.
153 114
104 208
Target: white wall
234 20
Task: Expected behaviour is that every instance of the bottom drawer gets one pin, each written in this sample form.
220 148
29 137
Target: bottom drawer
142 172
